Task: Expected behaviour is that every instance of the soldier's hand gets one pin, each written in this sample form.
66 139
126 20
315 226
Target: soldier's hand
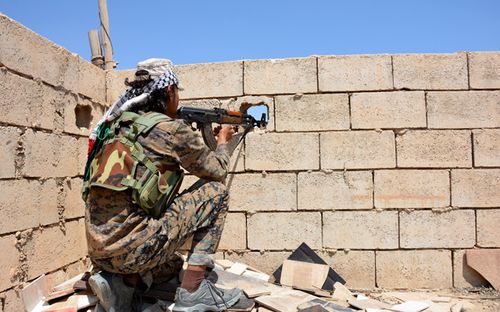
225 134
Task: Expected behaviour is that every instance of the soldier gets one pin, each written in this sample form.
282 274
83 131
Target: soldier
135 220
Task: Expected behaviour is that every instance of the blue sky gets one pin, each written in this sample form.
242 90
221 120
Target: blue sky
212 31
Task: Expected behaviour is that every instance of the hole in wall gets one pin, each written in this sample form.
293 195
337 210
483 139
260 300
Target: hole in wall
257 111
83 114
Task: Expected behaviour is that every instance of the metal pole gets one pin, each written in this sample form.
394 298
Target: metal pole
95 48
105 37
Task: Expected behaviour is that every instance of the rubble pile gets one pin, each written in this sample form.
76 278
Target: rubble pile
303 283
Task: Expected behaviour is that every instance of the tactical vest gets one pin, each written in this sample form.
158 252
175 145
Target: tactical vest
115 165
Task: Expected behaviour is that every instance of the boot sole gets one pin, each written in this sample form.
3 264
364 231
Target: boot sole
201 307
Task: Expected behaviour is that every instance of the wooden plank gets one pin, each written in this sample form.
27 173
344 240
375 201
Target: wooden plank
303 274
487 263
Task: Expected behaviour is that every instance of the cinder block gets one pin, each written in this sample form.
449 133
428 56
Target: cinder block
355 73
357 150
486 148
9 260
271 231
24 51
82 144
12 301
43 255
37 206
488 234
483 70
429 229
282 151
475 188
434 148
357 267
414 269
74 206
379 110
339 190
431 71
81 115
463 275
234 235
463 109
25 102
211 80
258 192
91 80
14 95
360 229
314 112
49 155
279 76
237 160
115 83
203 103
266 262
412 188
9 136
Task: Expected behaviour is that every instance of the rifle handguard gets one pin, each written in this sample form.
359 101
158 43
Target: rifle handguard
205 117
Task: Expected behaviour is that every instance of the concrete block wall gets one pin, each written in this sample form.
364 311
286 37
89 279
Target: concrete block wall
387 165
49 100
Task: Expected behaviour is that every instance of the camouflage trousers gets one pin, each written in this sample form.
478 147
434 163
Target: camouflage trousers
200 212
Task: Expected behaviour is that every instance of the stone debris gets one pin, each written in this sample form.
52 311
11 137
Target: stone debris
299 286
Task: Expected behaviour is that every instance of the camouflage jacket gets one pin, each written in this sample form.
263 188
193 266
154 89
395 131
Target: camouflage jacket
114 224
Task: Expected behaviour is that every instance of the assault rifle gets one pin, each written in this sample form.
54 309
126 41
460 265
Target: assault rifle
204 118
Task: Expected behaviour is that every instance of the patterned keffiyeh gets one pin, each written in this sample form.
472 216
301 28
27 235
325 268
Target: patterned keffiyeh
160 74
